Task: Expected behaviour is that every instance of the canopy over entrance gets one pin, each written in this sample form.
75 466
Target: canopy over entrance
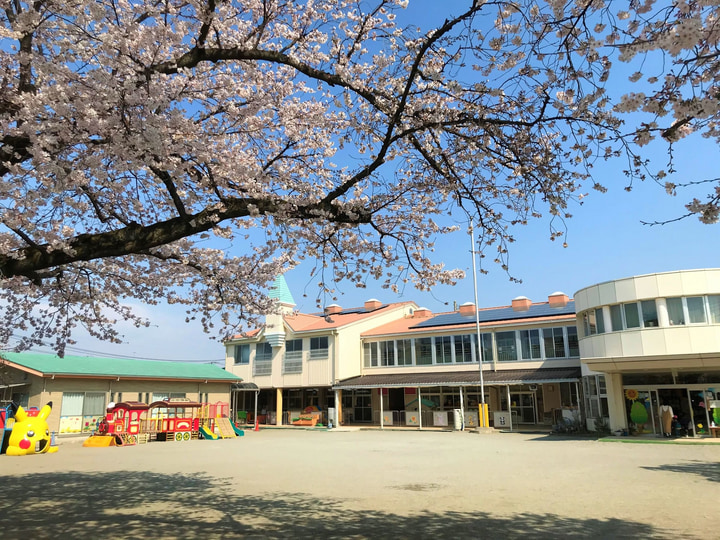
462 378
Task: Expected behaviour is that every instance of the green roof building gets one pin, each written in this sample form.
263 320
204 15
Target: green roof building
80 387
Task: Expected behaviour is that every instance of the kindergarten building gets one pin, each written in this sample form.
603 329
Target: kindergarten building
560 362
400 364
651 340
80 388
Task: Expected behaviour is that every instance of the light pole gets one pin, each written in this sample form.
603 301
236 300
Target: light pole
483 420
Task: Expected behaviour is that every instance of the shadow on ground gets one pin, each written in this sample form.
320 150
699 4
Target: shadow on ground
708 471
147 505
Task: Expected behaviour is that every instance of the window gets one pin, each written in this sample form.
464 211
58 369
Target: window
676 314
600 321
263 352
463 348
616 318
81 411
318 347
714 309
696 309
423 351
404 352
572 338
293 346
293 398
596 402
370 354
293 356
554 342
506 346
387 353
632 317
242 354
263 359
589 323
649 313
487 347
530 344
443 350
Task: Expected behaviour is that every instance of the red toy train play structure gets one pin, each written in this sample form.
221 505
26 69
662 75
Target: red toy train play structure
131 422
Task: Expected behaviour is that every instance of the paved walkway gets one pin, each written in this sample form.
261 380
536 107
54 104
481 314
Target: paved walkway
365 484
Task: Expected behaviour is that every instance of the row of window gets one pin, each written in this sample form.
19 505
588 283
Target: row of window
644 314
293 350
508 346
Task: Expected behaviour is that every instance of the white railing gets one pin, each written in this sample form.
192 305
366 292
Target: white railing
262 368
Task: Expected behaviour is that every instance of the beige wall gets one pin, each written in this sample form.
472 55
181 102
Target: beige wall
694 346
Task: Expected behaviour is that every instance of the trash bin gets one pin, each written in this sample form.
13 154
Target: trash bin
457 419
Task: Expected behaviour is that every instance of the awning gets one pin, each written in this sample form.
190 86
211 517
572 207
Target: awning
462 378
244 387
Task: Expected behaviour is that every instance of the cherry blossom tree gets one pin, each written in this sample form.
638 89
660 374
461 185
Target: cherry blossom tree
189 151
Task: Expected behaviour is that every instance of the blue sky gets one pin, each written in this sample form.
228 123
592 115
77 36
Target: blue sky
606 240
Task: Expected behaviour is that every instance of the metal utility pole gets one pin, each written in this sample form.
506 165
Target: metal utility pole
483 421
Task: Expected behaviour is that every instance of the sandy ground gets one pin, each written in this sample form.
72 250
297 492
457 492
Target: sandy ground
365 484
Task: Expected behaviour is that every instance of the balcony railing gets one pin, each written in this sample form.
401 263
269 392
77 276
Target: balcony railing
261 368
317 354
293 362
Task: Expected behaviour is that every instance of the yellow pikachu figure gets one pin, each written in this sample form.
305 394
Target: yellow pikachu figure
30 434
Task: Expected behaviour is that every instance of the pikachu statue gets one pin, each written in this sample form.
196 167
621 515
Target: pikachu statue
30 434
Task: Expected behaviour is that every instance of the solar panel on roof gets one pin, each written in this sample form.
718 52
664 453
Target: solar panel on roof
352 311
497 314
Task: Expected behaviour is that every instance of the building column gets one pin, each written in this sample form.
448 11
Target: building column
616 401
338 408
278 407
382 409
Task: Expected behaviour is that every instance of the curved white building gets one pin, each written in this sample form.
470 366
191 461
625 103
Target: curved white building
651 340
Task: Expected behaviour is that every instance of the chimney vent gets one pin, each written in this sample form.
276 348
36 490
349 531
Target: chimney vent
333 309
373 304
422 313
558 299
521 303
467 309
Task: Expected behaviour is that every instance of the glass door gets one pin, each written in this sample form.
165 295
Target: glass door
522 407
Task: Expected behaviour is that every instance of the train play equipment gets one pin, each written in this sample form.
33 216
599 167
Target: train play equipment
177 419
29 432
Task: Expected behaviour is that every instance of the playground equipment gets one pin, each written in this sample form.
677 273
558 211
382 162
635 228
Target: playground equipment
177 419
7 419
30 433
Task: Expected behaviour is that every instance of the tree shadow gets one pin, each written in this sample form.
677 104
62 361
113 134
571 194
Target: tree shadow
142 505
709 471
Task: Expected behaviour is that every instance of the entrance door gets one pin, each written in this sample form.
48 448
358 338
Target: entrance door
522 407
686 405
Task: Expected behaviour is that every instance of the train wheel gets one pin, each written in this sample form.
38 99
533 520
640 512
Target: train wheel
178 437
186 436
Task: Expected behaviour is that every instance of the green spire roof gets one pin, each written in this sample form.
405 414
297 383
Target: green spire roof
49 364
281 292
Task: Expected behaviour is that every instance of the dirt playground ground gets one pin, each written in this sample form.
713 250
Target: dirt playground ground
279 483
